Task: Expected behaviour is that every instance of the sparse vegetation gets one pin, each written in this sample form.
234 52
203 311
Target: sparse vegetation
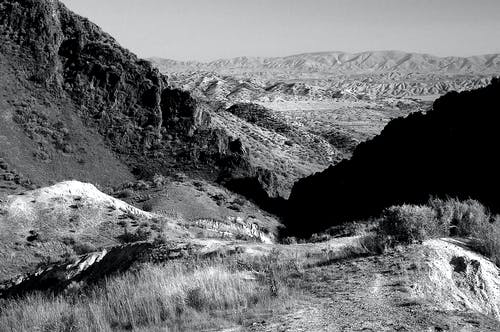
79 246
141 234
181 295
125 193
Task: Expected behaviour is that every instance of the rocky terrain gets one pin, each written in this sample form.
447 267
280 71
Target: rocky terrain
77 105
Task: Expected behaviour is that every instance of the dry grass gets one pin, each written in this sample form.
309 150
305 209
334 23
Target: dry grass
177 296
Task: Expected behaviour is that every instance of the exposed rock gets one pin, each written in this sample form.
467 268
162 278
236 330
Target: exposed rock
86 269
74 72
93 267
458 279
234 228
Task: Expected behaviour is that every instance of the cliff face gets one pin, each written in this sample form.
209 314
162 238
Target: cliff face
78 105
448 151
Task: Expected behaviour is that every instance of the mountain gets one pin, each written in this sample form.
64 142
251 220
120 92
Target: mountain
330 76
344 63
449 151
75 104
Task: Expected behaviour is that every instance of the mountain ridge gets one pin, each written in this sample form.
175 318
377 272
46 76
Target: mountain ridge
345 62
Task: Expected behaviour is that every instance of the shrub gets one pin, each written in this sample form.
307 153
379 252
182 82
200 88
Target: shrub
373 243
125 193
147 206
320 237
142 234
409 223
159 180
79 247
471 219
82 248
465 218
289 240
141 185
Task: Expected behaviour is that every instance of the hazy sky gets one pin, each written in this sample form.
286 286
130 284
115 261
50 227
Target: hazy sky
210 29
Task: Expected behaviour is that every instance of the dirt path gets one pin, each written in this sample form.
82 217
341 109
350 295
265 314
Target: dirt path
367 294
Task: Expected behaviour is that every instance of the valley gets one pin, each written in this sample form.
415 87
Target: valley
326 191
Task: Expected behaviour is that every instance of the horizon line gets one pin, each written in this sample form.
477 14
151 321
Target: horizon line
322 52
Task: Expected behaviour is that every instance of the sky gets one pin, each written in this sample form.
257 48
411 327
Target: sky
205 30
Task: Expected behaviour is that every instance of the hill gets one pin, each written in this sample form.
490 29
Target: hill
447 151
328 75
339 97
75 104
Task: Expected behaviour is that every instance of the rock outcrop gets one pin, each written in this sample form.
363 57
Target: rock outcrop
448 151
93 267
86 269
457 279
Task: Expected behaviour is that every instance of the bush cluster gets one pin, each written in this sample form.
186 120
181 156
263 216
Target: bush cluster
407 224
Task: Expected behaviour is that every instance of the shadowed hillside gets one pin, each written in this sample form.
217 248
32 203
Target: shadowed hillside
448 151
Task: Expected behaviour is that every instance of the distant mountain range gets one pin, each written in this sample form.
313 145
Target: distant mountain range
327 75
344 63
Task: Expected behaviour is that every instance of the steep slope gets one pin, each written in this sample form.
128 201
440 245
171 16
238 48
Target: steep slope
74 104
448 151
287 151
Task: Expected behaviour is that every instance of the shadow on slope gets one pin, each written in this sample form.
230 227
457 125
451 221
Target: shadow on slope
449 151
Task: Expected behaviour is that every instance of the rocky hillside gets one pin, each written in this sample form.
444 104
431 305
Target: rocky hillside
75 104
448 151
